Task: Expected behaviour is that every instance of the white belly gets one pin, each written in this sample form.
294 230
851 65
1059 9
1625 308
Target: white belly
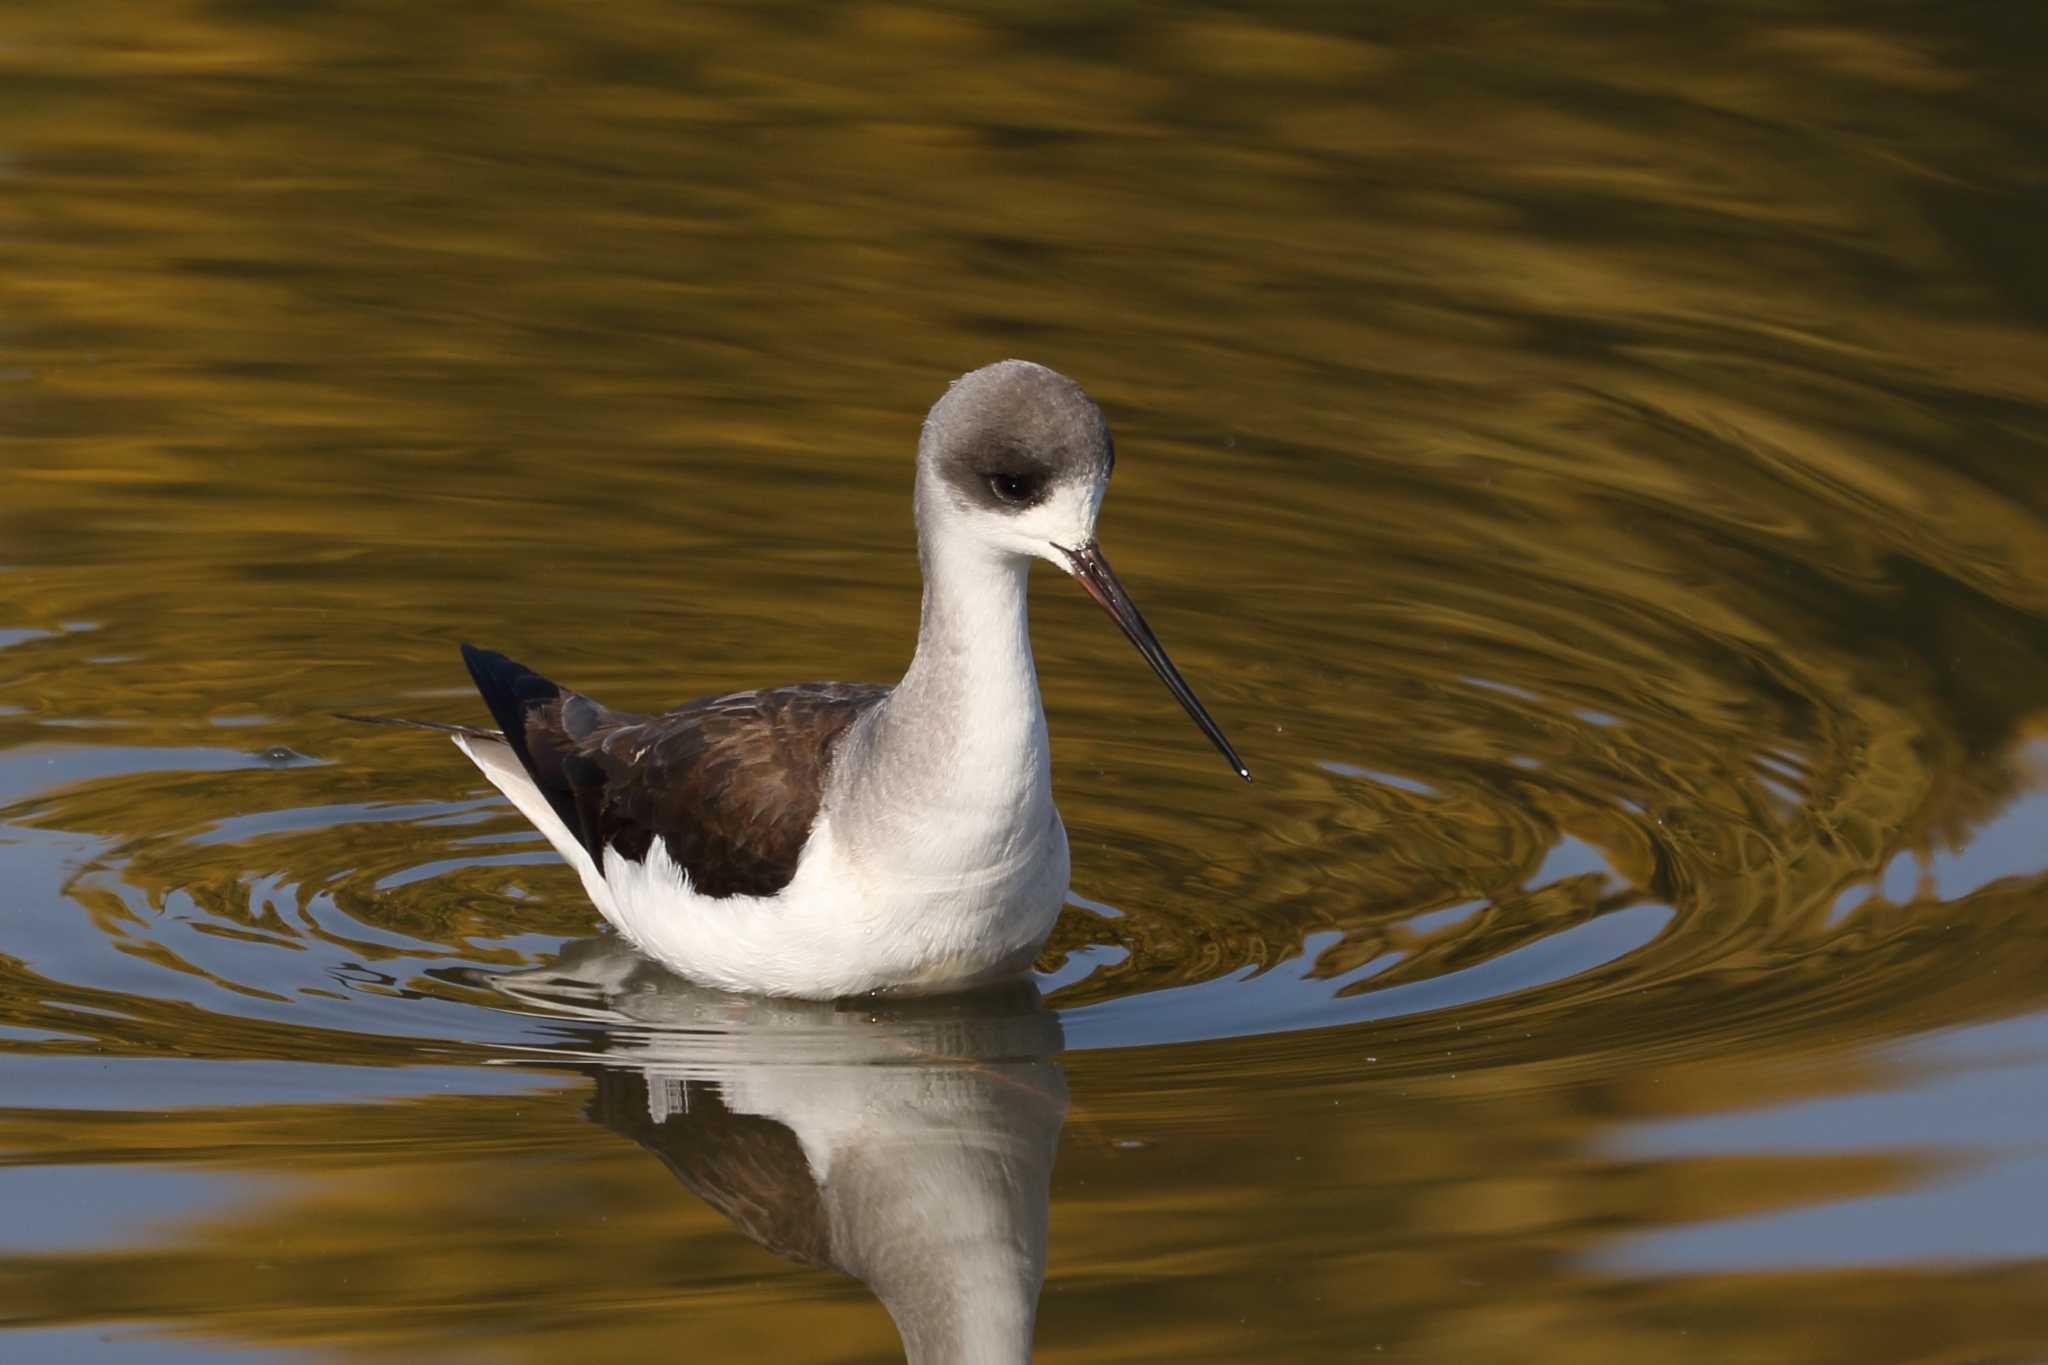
843 927
846 924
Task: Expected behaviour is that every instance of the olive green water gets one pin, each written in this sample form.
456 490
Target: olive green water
1592 458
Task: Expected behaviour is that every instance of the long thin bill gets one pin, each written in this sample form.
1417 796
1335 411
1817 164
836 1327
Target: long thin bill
1094 573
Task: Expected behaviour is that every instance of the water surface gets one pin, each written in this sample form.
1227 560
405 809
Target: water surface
1592 458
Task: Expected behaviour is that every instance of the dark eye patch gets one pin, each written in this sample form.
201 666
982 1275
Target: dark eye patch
1017 488
1001 474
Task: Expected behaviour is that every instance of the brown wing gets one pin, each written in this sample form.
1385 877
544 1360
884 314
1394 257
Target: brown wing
730 785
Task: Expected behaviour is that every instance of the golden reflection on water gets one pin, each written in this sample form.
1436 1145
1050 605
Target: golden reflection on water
1591 456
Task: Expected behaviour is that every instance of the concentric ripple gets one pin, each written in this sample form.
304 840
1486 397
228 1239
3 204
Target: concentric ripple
1592 459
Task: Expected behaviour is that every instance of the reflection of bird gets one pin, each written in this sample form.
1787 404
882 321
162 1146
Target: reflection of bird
910 1147
829 839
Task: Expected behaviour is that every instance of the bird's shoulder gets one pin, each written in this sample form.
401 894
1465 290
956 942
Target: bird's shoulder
730 784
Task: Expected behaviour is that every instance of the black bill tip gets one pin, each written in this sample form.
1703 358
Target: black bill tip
1087 565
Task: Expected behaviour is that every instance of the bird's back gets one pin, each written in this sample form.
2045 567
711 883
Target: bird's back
730 785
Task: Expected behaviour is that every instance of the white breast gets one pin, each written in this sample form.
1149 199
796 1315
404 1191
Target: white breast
844 925
935 916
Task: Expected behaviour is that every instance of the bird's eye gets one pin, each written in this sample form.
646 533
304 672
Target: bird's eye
1017 488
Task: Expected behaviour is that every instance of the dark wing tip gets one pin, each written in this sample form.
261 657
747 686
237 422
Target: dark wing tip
484 663
508 688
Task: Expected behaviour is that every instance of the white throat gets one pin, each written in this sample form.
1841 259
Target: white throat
973 663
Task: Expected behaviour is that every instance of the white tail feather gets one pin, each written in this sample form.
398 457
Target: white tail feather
497 761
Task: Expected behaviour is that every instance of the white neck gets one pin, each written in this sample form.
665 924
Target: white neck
974 637
966 725
951 776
